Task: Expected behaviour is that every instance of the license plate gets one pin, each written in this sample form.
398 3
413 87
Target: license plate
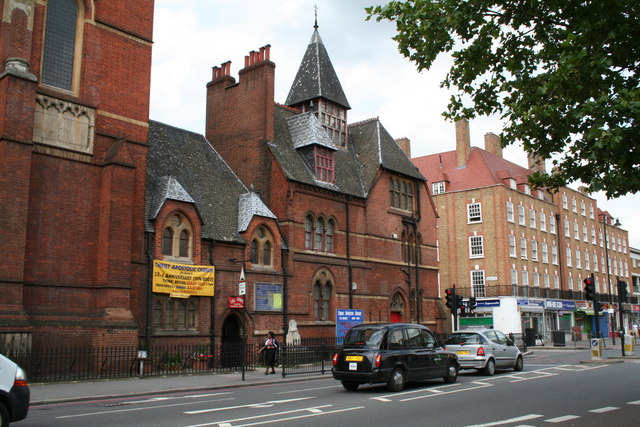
463 352
353 366
353 358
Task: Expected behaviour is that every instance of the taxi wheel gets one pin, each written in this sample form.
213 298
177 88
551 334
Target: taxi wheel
490 368
397 381
4 415
519 364
350 386
452 374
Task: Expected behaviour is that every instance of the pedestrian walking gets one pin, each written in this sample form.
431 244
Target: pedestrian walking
270 351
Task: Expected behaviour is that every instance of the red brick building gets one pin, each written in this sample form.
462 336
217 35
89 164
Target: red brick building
320 214
73 148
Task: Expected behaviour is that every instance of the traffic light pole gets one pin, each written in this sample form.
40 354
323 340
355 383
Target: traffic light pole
455 309
622 297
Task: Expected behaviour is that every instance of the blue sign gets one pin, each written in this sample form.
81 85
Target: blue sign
552 304
345 320
488 303
531 302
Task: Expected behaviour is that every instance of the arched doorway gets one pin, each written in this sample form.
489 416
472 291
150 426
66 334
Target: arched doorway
231 346
396 308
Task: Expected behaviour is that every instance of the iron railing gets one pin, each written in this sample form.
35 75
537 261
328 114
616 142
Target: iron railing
73 363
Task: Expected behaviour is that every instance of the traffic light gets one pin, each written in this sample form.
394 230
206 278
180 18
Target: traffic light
460 303
589 288
623 295
473 304
450 297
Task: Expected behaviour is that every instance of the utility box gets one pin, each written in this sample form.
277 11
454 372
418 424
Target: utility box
629 345
596 348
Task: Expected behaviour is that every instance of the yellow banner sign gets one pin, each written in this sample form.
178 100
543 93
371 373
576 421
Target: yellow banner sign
183 279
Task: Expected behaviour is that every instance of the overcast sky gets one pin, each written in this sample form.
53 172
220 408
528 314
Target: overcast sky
192 36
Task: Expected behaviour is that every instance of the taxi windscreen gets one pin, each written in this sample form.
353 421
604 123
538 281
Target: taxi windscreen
364 337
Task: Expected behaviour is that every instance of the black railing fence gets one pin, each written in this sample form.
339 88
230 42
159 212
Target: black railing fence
71 364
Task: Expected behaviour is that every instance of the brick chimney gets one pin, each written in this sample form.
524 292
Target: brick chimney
405 145
492 144
536 163
463 142
241 116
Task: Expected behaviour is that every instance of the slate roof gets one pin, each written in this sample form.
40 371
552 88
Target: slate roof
482 169
305 129
251 205
370 147
179 157
316 76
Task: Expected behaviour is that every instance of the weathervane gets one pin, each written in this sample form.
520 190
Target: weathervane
315 25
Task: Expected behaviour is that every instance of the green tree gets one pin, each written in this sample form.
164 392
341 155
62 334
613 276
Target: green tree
563 74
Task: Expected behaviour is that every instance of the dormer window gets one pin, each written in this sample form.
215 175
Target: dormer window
333 118
324 164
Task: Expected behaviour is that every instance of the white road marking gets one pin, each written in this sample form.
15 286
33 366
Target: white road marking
270 418
143 408
382 399
444 392
306 389
510 420
562 419
249 405
603 410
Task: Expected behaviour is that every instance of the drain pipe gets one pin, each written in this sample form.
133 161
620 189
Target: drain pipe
349 267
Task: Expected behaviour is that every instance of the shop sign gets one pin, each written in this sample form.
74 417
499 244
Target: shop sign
552 304
635 308
527 302
235 302
488 303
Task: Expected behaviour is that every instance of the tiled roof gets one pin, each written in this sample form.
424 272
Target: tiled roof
370 147
482 169
251 205
316 76
305 129
190 161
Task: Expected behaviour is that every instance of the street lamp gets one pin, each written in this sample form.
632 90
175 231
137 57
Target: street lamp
605 219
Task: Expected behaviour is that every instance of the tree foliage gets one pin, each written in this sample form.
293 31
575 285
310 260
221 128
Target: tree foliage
563 74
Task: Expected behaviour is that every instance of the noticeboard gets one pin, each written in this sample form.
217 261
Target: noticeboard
345 320
268 297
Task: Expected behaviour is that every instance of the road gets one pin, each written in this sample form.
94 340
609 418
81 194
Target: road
554 388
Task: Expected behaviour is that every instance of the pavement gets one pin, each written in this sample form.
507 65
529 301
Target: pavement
76 391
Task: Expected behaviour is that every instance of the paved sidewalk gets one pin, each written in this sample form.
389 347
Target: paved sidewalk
51 393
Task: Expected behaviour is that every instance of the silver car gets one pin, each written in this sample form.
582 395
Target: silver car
486 350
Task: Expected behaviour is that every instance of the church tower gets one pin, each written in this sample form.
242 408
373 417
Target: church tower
316 89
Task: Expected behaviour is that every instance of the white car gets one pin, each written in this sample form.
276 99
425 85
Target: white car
486 350
14 392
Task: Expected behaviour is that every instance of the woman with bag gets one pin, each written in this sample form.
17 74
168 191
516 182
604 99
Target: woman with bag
270 348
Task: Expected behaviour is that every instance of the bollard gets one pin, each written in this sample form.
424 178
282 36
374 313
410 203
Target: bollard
629 345
596 349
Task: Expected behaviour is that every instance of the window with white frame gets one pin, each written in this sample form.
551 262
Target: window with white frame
536 279
595 261
512 245
567 231
556 282
554 254
583 208
552 224
534 250
574 205
564 201
527 189
578 259
477 281
600 236
545 279
567 253
576 230
545 253
521 215
438 187
570 282
532 218
591 211
514 277
602 263
587 264
510 212
476 248
523 248
474 213
585 234
543 222
593 235
513 184
525 278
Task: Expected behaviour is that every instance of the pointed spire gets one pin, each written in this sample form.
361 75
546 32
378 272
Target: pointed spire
316 77
315 25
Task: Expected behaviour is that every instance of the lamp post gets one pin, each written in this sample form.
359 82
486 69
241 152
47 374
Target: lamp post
605 219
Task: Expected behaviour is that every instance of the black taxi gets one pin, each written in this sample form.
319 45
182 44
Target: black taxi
392 353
